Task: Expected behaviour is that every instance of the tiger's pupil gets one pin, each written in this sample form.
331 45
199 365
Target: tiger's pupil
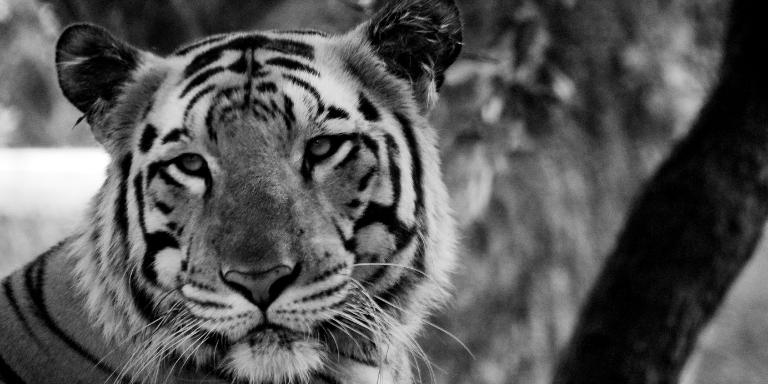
320 147
192 163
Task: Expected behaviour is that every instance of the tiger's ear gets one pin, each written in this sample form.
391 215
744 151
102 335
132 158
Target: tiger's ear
93 66
418 40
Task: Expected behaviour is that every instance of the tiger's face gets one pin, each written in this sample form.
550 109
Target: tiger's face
277 207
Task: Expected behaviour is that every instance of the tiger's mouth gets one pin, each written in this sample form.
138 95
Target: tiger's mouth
273 353
273 334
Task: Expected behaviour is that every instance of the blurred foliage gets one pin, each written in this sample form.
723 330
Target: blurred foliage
555 113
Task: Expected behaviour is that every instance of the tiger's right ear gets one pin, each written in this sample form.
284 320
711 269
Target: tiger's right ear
93 66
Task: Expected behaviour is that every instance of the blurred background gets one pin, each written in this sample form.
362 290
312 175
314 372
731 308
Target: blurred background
552 118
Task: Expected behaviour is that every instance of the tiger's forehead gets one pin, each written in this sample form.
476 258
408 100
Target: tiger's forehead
278 80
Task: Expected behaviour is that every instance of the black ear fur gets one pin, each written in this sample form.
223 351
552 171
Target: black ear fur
417 39
92 66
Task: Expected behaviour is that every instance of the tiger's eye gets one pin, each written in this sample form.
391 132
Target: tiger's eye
191 163
320 146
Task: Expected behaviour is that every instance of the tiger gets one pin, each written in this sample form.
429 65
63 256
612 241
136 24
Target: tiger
273 210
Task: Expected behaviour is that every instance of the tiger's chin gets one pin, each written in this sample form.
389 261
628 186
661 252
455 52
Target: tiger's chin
274 356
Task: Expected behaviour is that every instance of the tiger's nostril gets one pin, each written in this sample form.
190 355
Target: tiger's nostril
262 287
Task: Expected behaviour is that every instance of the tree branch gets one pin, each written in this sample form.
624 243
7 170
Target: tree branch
690 233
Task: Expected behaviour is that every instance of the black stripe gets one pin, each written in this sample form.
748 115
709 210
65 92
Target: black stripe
289 47
415 160
324 293
394 170
291 64
175 135
248 57
155 242
163 207
138 187
222 94
142 300
7 374
371 143
288 108
357 359
260 109
188 48
153 169
212 135
168 179
121 211
241 43
366 179
241 64
307 87
302 32
336 113
330 272
266 87
327 379
201 61
209 304
195 99
11 296
288 115
387 216
147 138
35 283
201 78
367 108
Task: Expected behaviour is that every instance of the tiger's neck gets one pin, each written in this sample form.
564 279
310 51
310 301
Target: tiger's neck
48 336
46 324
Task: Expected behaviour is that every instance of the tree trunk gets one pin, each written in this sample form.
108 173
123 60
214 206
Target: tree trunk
690 233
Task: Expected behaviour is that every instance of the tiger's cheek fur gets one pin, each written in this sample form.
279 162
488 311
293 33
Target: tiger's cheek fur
350 187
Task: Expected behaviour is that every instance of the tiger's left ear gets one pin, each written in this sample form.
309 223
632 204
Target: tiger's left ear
93 68
418 40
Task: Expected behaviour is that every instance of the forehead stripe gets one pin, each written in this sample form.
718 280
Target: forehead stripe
195 99
175 135
289 47
189 48
336 113
307 87
311 32
201 78
292 65
147 138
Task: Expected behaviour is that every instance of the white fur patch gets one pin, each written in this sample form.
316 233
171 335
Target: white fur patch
168 266
375 239
268 360
349 371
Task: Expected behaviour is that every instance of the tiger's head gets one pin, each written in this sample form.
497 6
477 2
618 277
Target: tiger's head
274 203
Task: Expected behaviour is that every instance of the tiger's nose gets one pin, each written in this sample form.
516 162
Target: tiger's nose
261 287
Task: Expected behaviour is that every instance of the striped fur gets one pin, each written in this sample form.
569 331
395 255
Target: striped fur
240 150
